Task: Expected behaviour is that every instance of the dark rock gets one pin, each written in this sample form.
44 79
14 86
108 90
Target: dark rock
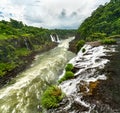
78 107
94 44
75 69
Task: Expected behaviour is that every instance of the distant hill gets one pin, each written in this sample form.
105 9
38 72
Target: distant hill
105 19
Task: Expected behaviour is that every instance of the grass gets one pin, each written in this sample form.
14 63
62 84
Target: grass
115 36
80 44
68 75
4 67
51 97
5 36
22 52
108 41
69 67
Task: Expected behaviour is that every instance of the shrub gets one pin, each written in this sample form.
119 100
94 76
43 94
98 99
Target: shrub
108 41
80 44
61 80
68 75
97 36
83 50
115 36
51 97
69 67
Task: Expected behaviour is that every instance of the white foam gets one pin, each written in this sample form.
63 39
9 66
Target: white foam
92 59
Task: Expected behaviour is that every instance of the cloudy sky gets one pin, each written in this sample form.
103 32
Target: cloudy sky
49 13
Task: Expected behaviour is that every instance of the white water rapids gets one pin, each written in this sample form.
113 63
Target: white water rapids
88 65
23 95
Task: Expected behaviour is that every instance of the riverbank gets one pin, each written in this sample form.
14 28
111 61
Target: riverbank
106 95
23 93
90 77
27 61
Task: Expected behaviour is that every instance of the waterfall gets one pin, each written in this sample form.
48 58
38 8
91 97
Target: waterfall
88 64
58 40
52 38
26 44
55 38
23 94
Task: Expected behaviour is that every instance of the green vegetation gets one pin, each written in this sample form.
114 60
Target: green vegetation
69 67
96 36
103 23
80 44
106 19
114 36
108 41
17 41
68 75
51 97
64 33
22 52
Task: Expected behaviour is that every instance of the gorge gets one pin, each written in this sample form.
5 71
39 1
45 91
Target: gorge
61 70
23 93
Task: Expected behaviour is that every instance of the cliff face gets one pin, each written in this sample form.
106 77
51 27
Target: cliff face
17 54
19 43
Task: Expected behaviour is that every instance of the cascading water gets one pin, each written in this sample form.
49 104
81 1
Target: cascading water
88 65
26 44
24 93
55 38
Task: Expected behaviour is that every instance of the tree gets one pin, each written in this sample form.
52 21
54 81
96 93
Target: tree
16 24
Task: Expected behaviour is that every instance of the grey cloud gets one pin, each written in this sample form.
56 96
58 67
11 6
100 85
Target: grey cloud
32 20
62 14
74 14
51 13
1 12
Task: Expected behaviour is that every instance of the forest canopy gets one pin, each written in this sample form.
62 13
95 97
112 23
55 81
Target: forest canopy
105 19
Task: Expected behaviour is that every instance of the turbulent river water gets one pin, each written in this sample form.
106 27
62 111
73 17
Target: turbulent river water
24 93
90 70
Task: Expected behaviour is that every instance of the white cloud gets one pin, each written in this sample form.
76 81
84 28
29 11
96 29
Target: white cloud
49 13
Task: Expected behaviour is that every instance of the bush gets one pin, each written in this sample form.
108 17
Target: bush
108 41
115 36
80 44
68 75
51 97
97 36
69 67
61 80
83 50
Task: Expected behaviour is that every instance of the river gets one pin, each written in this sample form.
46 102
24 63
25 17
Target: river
90 71
23 94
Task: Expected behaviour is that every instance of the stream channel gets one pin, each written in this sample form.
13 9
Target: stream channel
24 93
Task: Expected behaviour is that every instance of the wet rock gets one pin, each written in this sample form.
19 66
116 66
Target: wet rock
87 89
92 86
60 108
75 69
39 108
82 87
64 102
66 107
94 44
77 107
102 108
